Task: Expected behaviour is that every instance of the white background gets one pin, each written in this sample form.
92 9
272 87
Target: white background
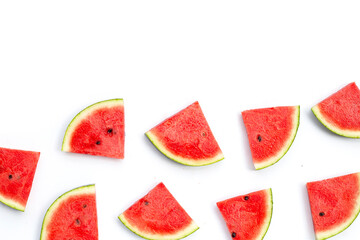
57 57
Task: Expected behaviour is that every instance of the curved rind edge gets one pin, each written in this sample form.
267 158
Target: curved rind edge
13 204
186 232
345 133
271 211
81 115
185 161
83 189
286 148
333 232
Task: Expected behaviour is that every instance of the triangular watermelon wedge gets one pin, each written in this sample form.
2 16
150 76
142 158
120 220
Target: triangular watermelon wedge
335 203
340 111
271 131
186 138
158 216
97 130
17 170
248 216
72 216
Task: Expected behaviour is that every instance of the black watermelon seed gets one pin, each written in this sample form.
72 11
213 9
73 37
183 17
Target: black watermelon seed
84 206
77 221
146 203
10 176
203 134
110 130
321 214
98 143
246 198
259 138
233 234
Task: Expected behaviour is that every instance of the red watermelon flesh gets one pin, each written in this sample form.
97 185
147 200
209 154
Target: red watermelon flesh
248 216
334 203
271 132
340 111
72 216
186 138
98 130
17 170
158 216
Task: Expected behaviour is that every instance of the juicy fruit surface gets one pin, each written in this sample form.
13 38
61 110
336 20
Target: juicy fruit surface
100 131
72 216
248 216
341 110
158 216
186 137
270 132
17 170
334 203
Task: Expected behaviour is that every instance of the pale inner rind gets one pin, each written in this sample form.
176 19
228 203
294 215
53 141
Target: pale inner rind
267 220
186 161
336 230
83 115
90 189
192 227
286 146
11 203
332 127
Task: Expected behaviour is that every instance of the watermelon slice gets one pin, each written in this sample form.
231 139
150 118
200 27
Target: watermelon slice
335 203
340 112
271 132
158 216
72 216
248 216
97 130
17 170
186 138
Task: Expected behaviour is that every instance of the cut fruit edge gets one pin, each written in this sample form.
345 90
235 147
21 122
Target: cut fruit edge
88 189
11 203
332 127
191 228
274 159
186 161
269 211
82 115
327 234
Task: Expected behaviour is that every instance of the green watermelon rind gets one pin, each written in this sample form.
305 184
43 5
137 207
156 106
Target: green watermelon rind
273 160
342 132
271 212
343 227
88 189
179 159
13 204
82 115
184 233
